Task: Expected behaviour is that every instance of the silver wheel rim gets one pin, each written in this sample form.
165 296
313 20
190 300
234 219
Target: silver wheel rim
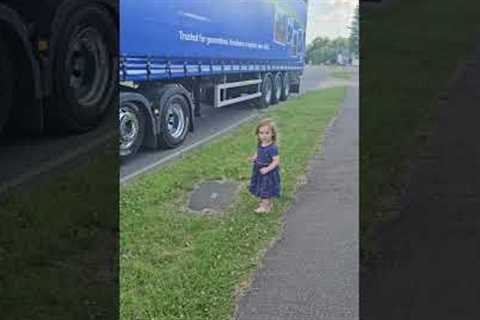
129 128
175 120
278 85
287 85
87 66
268 90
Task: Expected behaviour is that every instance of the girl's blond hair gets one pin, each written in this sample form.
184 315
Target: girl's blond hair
267 123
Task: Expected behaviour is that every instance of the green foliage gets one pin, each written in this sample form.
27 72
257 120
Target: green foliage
324 50
355 34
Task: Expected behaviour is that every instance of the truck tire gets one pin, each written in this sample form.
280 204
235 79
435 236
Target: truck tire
175 115
267 92
84 69
6 82
132 129
277 88
285 86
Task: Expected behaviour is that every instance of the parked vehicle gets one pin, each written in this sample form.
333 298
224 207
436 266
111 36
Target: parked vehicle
176 55
58 63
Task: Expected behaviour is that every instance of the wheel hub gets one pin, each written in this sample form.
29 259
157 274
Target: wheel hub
129 128
87 67
268 91
278 85
286 81
175 120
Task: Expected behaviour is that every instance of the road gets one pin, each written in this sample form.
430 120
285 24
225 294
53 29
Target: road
213 122
23 159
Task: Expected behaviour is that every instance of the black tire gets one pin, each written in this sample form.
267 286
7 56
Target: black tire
285 86
132 128
84 69
6 82
175 115
267 92
277 88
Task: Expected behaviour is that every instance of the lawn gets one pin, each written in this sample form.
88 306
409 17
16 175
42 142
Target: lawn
57 245
410 52
178 265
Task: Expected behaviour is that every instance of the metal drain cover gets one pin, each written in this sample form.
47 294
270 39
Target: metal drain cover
213 196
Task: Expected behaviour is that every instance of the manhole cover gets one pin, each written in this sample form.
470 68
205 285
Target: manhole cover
213 196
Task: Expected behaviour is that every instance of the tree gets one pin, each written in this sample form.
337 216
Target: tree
325 50
354 33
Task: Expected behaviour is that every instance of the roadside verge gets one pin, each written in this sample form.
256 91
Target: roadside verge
176 265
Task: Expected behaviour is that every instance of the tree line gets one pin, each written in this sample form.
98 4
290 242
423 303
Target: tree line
325 50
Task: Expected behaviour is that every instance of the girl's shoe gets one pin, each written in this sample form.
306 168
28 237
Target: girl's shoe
262 210
270 207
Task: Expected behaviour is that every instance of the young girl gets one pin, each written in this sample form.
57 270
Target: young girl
265 180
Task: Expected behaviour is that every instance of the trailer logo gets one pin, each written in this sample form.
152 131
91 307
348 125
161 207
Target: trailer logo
200 38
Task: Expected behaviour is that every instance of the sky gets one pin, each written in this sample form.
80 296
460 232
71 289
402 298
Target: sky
329 18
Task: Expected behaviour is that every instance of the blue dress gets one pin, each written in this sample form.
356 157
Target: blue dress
268 185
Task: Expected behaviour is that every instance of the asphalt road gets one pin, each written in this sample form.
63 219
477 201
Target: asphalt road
26 158
213 122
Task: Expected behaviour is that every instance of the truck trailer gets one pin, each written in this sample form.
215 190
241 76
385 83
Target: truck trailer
177 55
58 63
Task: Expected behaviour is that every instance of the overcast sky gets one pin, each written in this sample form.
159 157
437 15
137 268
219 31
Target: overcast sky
329 18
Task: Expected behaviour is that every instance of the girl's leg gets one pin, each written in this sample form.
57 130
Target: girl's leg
269 204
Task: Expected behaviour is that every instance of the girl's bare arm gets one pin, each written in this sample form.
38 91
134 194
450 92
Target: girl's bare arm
273 165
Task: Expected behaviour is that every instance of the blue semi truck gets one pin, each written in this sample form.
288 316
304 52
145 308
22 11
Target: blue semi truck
58 63
176 55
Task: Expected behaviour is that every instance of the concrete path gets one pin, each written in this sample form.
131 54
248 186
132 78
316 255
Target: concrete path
312 272
432 252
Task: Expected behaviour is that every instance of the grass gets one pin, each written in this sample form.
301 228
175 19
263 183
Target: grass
410 53
339 72
56 244
175 265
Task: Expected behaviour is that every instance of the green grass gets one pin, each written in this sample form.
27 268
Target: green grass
339 72
54 239
410 53
176 265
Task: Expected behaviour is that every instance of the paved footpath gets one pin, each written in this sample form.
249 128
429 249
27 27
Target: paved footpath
311 273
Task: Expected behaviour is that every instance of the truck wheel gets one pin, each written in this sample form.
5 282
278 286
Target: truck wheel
132 129
6 81
267 92
285 86
174 116
84 68
277 88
